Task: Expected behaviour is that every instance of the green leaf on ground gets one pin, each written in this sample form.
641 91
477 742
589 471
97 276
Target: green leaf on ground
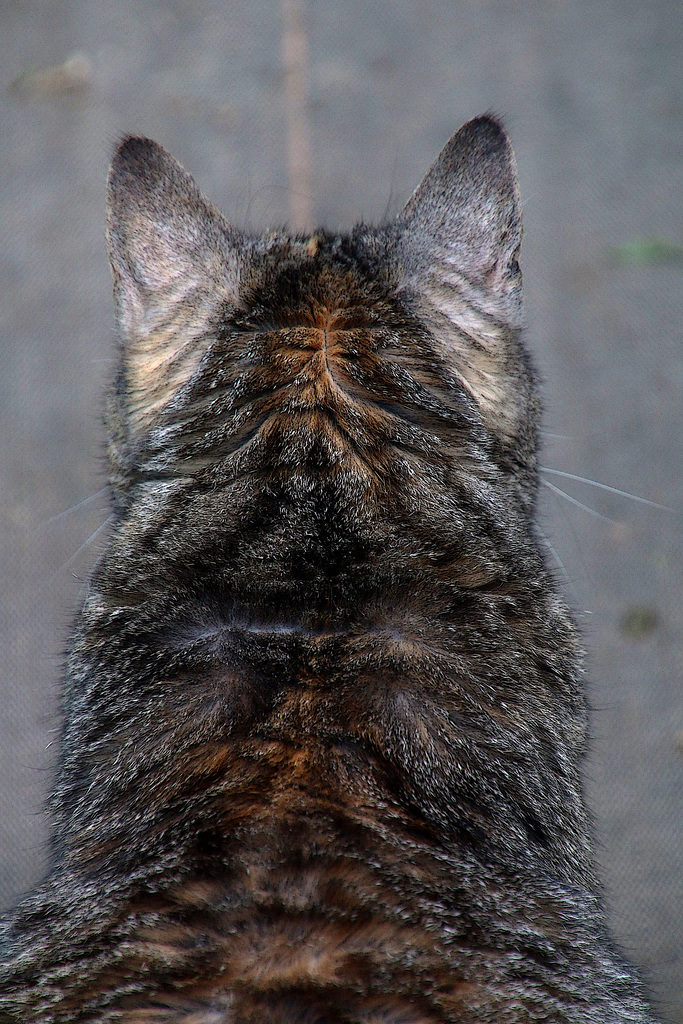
642 251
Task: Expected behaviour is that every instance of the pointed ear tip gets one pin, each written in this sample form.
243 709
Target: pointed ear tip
490 120
134 155
134 147
489 128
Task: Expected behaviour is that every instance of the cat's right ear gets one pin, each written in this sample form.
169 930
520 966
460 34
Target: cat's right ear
174 262
461 230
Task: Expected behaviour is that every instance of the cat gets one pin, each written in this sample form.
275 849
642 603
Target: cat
324 716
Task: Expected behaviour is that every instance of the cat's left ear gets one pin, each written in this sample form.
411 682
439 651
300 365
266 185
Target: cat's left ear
175 263
462 227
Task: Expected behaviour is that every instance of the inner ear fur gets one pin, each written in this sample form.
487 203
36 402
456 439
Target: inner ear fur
174 263
462 227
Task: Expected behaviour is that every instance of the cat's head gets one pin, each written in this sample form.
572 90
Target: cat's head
361 354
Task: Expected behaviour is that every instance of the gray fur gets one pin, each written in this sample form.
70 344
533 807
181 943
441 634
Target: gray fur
324 710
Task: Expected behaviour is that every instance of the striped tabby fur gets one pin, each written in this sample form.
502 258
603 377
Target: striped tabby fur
324 716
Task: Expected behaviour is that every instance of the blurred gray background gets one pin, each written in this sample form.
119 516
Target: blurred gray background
330 111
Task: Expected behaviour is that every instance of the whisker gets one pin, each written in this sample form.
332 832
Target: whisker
548 544
606 487
74 508
579 504
83 546
554 553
